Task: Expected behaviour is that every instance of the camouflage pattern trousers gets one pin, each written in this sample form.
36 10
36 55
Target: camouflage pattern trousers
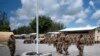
59 47
65 48
12 51
80 48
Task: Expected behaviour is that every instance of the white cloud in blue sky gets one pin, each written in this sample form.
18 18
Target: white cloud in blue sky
80 20
98 23
92 4
96 15
64 11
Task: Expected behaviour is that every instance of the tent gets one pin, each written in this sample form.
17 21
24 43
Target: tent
4 36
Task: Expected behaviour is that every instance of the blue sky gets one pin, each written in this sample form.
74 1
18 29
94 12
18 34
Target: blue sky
72 13
10 5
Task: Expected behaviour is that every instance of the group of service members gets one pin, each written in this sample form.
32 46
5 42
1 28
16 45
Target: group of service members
60 41
63 41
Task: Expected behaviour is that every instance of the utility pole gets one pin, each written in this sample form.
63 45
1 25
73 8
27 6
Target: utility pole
37 28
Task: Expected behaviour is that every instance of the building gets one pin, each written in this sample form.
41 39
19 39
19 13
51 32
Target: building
52 33
93 32
4 36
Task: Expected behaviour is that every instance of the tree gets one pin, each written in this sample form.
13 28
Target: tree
45 23
4 22
23 30
57 26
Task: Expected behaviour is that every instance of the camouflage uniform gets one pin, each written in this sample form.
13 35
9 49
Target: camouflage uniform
11 45
66 44
80 45
59 44
59 47
55 42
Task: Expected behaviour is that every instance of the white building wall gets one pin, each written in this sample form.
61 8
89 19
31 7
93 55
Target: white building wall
97 34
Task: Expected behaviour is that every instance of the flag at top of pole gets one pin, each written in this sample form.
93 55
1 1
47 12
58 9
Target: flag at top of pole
37 28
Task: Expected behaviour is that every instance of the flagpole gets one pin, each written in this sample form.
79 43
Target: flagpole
37 28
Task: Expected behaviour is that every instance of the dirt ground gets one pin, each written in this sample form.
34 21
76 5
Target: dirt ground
45 48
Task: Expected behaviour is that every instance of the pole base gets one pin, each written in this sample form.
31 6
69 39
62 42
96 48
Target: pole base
35 54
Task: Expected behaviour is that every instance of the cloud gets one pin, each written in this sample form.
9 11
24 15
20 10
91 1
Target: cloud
81 17
14 23
12 20
65 2
41 12
91 3
17 24
98 23
88 25
56 6
72 10
53 17
96 15
28 9
88 10
49 6
64 11
82 14
80 20
75 7
67 19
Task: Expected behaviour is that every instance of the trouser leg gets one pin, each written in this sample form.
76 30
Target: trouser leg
60 48
60 51
65 48
12 51
81 47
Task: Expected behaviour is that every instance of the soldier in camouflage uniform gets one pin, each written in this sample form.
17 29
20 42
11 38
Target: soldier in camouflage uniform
11 45
59 44
80 45
66 43
55 40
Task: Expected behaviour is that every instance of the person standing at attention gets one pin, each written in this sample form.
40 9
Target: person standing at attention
80 45
11 45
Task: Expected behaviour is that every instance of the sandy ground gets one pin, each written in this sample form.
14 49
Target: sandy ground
93 50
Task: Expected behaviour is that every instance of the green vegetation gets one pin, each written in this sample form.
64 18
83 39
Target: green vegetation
45 25
4 22
23 30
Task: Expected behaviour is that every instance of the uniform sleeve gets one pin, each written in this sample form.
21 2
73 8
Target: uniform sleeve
8 42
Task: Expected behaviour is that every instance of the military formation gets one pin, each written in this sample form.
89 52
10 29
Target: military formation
61 42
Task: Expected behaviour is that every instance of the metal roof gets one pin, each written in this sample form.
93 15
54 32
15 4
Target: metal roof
32 34
79 29
53 32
